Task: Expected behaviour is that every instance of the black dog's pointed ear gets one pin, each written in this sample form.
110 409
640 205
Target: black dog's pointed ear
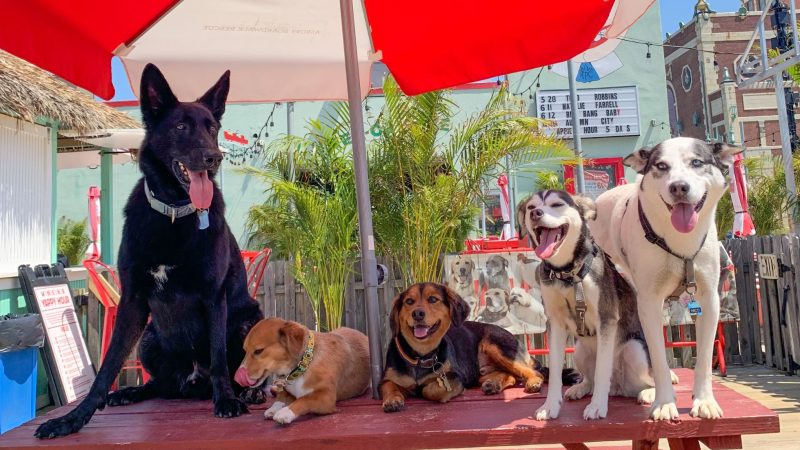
638 159
459 309
216 97
155 95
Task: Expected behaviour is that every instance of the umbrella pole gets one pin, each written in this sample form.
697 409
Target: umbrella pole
369 265
576 130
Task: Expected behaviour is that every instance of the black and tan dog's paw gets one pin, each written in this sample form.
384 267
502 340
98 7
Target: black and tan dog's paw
491 387
533 385
229 407
394 405
253 396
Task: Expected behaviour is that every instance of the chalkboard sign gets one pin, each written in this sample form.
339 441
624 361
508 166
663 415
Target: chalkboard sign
602 112
47 292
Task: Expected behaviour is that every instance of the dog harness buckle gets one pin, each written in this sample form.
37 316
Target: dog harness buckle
580 309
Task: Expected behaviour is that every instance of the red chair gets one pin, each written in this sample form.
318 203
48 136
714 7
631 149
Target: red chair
107 290
255 262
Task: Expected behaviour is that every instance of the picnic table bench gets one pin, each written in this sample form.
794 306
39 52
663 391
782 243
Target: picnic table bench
468 421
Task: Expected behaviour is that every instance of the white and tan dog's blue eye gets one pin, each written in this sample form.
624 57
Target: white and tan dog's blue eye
697 163
662 166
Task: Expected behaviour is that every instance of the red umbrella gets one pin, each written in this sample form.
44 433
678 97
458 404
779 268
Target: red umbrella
302 50
427 45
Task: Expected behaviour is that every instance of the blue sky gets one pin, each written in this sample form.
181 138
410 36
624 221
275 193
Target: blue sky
672 12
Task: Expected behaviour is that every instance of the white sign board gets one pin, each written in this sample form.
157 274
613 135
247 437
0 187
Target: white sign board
65 340
602 112
768 267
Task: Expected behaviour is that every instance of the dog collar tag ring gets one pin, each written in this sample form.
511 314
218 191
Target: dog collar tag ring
442 377
202 215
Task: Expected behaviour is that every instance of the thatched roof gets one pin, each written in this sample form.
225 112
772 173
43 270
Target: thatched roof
29 92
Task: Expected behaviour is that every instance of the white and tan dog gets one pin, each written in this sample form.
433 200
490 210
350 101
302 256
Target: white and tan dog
462 282
586 297
675 199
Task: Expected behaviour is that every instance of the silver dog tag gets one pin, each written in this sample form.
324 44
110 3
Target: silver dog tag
202 215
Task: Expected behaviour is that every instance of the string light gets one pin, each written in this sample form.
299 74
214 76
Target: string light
535 82
656 44
237 156
648 51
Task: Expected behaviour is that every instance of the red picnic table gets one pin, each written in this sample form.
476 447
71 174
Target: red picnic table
471 420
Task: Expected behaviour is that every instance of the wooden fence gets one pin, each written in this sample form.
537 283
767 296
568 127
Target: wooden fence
768 292
768 332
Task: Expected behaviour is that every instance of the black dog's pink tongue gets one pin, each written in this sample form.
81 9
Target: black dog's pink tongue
548 240
421 332
684 217
201 189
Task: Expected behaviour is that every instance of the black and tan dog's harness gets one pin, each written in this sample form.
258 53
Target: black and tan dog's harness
425 363
575 278
689 283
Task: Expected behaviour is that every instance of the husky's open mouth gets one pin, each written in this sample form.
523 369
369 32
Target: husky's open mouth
683 215
196 183
549 240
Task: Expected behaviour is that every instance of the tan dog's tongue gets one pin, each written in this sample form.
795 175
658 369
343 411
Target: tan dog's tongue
201 189
684 217
547 243
421 332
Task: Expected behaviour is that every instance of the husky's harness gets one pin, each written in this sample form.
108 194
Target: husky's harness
689 282
302 366
575 278
175 212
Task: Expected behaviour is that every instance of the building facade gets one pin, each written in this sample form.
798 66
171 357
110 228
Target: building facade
704 103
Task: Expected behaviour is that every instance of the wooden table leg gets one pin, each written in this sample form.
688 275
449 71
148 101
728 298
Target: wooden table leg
575 446
722 442
645 445
684 444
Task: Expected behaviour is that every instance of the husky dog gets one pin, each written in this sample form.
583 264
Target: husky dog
660 231
584 296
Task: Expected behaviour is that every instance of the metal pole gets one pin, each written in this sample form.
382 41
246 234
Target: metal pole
369 265
783 118
289 108
576 133
511 206
794 27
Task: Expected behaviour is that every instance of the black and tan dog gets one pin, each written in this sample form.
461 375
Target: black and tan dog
436 353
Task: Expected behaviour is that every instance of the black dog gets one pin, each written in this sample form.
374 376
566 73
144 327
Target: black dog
178 264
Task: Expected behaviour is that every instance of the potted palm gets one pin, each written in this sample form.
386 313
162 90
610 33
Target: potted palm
309 215
427 175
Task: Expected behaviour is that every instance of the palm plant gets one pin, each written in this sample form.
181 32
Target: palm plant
309 214
427 176
548 179
72 240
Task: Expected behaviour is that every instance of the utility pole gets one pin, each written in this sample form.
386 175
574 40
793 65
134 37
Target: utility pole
576 131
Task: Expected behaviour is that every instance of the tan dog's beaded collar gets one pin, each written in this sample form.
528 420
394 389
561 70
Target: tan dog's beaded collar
301 368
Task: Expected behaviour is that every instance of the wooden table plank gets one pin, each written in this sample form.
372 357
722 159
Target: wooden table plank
471 420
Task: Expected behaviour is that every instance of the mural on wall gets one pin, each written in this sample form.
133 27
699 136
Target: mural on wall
601 59
499 288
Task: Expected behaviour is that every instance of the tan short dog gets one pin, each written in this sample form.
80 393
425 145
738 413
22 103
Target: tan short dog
313 370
